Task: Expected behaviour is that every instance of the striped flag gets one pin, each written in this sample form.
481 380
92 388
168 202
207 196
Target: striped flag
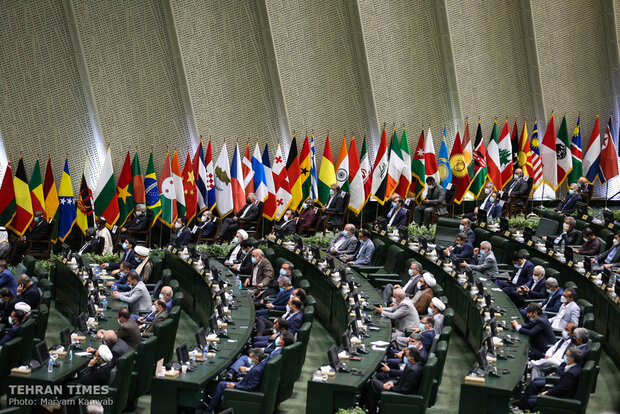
153 201
402 188
280 177
547 155
200 173
536 160
395 167
380 171
418 174
592 159
493 159
106 203
505 155
7 197
67 213
236 181
468 151
609 157
36 189
524 159
260 181
327 174
458 166
247 171
365 170
480 167
124 192
514 144
294 175
85 217
179 190
576 154
342 167
356 184
269 208
168 195
49 192
139 195
305 166
313 170
210 183
23 203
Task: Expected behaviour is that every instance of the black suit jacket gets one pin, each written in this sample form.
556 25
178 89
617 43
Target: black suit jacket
567 384
289 228
97 375
336 206
539 291
252 212
208 228
31 296
519 189
540 333
118 350
526 273
40 231
400 219
130 333
601 257
567 205
245 267
138 223
186 237
409 381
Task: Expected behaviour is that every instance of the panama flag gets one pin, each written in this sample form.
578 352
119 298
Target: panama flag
106 203
236 178
356 181
547 154
283 189
443 163
269 208
210 183
248 172
200 173
168 196
380 171
260 181
592 159
223 187
609 159
430 160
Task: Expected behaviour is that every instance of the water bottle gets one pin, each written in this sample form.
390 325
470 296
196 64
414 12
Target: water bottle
205 352
104 304
50 365
238 282
70 352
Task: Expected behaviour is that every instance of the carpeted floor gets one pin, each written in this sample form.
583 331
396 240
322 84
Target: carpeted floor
460 360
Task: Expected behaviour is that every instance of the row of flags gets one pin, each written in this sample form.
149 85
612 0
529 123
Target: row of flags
208 183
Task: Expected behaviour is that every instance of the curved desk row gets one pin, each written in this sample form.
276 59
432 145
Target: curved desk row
495 394
606 308
187 390
333 309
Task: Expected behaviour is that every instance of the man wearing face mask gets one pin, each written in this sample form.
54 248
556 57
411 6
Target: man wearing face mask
554 356
435 194
516 189
397 216
534 289
128 329
122 283
591 244
484 261
38 233
465 227
496 207
262 271
104 233
139 222
408 382
245 265
403 314
248 213
611 256
288 223
422 299
166 295
538 329
15 321
91 242
145 265
159 307
235 255
483 202
427 330
6 277
279 303
129 256
569 311
569 234
183 233
138 297
307 217
461 249
335 204
412 341
410 288
435 309
364 253
522 274
273 288
567 205
207 225
345 242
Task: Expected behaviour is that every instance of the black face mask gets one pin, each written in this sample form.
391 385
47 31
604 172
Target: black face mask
248 201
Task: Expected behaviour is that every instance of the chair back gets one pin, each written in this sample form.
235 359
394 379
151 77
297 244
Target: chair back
28 262
290 370
586 379
269 383
445 333
547 226
428 377
441 353
394 255
26 333
380 252
122 380
9 358
165 334
156 272
448 316
144 367
41 322
308 314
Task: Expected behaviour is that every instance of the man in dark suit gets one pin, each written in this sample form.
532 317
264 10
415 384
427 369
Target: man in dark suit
307 217
567 205
128 329
591 244
139 222
91 242
244 267
564 388
611 256
427 330
161 314
16 320
435 194
516 188
280 301
294 319
408 383
28 291
538 329
116 345
555 292
207 225
6 277
465 227
534 289
461 249
410 288
397 216
7 304
248 213
335 204
38 233
99 368
129 256
569 234
250 382
288 224
183 233
522 274
481 202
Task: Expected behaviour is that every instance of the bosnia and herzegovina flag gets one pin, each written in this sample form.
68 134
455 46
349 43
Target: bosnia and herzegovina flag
67 214
23 214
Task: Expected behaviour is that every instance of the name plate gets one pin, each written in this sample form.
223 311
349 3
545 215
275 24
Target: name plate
64 260
297 251
210 283
189 262
382 232
481 313
483 224
610 225
584 217
603 286
203 272
279 241
453 274
550 253
403 242
529 243
174 251
313 262
465 285
589 275
338 285
570 263
507 233
328 272
617 300
438 262
422 252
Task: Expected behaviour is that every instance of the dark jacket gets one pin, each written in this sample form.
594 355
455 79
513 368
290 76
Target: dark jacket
614 261
40 231
294 322
130 333
466 252
427 339
31 296
494 211
519 189
308 218
567 205
279 303
251 215
335 204
97 375
526 273
409 381
400 219
553 302
129 256
119 349
8 280
590 247
540 332
245 267
90 246
159 318
289 228
208 228
139 223
10 334
252 379
539 291
471 236
567 384
185 236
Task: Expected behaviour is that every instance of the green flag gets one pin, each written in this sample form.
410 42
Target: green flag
153 201
327 174
480 169
562 153
575 149
418 174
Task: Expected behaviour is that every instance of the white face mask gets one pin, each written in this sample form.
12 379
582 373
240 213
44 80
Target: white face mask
517 176
332 192
177 225
286 218
204 218
419 285
152 308
563 299
616 242
565 227
139 213
487 191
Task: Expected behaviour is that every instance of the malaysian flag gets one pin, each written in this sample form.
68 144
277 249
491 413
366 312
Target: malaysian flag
536 160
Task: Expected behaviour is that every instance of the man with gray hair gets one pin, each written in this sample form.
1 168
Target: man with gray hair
262 271
484 261
569 234
139 222
533 289
116 345
555 354
567 205
345 242
403 315
410 288
281 300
